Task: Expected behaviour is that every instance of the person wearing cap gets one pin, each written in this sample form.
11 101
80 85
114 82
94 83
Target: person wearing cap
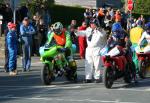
26 30
96 40
144 41
12 48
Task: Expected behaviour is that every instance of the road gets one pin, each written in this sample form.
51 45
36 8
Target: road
27 88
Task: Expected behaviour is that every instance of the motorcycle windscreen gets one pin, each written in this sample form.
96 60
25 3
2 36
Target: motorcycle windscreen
113 52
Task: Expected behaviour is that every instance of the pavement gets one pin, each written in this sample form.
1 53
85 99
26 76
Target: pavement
27 88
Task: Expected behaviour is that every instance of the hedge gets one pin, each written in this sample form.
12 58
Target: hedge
65 14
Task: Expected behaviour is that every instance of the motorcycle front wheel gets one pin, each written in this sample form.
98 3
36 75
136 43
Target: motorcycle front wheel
46 75
108 77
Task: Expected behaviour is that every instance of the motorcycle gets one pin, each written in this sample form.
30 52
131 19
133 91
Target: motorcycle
116 66
144 63
56 65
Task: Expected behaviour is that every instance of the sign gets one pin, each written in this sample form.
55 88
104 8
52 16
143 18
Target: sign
14 3
130 5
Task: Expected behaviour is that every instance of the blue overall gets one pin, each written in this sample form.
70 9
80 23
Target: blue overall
26 36
12 49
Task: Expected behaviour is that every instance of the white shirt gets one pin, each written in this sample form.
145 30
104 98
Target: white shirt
146 36
98 40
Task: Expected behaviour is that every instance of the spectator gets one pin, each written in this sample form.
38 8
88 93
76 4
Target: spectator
101 17
143 20
94 14
130 21
82 41
87 16
117 16
49 31
35 46
112 14
125 16
12 48
26 30
96 40
42 30
107 21
71 29
135 35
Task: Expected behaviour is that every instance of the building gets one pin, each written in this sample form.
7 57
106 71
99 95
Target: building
110 3
90 3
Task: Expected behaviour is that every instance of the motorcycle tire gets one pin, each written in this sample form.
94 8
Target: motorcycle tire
46 75
128 74
142 70
71 72
108 77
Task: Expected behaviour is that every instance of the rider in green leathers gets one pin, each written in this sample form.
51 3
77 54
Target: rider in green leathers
59 38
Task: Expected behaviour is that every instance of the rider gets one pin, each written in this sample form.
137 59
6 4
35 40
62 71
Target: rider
60 37
120 38
145 39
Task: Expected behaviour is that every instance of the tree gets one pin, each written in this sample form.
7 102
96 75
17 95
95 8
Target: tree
142 7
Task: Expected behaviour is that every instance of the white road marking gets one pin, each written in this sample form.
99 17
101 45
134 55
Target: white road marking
67 87
52 87
67 100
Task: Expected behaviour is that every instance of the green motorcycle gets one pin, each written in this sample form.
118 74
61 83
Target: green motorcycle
56 64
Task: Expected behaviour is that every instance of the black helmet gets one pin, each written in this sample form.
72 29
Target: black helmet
94 21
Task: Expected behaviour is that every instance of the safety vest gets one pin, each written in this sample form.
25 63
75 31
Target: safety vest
60 39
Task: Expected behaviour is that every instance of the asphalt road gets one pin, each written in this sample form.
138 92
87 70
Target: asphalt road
27 88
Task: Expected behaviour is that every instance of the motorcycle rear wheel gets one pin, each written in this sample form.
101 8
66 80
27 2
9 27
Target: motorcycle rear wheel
142 70
46 75
71 72
108 77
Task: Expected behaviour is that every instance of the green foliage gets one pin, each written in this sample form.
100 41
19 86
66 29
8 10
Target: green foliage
142 7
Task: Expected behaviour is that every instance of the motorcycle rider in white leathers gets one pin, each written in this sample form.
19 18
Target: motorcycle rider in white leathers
96 40
146 36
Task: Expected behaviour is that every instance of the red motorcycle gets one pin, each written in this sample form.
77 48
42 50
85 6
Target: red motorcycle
115 67
144 63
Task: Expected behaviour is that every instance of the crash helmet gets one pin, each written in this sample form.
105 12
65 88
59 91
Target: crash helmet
116 27
147 27
57 28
